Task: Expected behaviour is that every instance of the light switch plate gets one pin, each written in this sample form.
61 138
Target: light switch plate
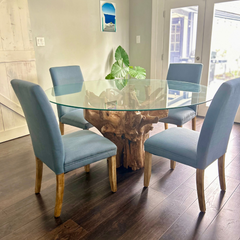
138 39
40 41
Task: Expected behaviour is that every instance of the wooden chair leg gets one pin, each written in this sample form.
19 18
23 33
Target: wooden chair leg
39 170
112 167
172 164
59 195
166 126
221 172
87 168
61 126
200 189
147 168
194 123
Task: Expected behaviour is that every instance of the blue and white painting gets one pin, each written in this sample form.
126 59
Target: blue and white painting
108 16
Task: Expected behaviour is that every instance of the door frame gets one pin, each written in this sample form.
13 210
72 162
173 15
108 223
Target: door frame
157 38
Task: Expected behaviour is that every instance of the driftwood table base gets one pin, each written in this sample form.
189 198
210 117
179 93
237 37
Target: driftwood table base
128 130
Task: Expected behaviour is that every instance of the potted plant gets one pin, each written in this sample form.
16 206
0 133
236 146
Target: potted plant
121 70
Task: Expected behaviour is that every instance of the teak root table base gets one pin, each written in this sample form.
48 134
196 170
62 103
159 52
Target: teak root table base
128 130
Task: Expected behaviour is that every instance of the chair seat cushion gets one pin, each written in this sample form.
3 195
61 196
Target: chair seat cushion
179 116
76 118
85 147
177 144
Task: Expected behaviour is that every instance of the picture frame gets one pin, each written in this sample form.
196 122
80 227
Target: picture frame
108 16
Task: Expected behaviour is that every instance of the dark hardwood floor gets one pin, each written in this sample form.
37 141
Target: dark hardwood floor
168 209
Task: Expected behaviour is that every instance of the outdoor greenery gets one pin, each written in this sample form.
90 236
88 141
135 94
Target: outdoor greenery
228 75
121 70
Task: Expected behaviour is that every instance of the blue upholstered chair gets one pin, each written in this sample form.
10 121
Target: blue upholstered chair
186 72
60 153
196 149
68 115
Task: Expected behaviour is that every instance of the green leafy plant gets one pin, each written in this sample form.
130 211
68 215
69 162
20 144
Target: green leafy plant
121 70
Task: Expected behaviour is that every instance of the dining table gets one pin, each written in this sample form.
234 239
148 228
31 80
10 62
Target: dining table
126 114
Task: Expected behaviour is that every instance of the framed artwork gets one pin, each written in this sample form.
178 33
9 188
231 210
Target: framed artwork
108 16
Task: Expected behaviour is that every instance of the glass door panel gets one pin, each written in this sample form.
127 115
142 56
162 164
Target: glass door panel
183 32
221 48
225 47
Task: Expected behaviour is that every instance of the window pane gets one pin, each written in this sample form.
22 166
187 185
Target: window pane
177 37
178 28
177 47
183 35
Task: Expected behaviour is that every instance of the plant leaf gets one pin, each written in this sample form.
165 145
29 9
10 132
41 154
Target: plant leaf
109 76
138 72
119 84
118 70
121 54
125 82
132 72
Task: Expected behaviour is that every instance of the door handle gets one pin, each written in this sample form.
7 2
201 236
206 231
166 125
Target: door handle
197 58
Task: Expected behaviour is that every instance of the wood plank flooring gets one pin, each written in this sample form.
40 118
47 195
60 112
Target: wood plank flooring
167 210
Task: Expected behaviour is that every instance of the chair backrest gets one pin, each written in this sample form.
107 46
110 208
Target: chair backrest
185 72
218 123
42 124
65 75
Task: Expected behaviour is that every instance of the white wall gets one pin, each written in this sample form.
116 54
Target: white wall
72 34
141 25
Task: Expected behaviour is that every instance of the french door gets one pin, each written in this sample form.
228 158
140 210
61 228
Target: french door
183 32
204 31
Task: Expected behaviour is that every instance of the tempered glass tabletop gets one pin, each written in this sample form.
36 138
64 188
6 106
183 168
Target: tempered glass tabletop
140 95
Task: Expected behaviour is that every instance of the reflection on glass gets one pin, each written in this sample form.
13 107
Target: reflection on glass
183 34
225 47
137 95
68 89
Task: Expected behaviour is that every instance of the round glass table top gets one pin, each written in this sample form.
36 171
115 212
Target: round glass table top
140 95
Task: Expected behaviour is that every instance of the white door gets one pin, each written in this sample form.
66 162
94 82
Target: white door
183 32
221 48
17 60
